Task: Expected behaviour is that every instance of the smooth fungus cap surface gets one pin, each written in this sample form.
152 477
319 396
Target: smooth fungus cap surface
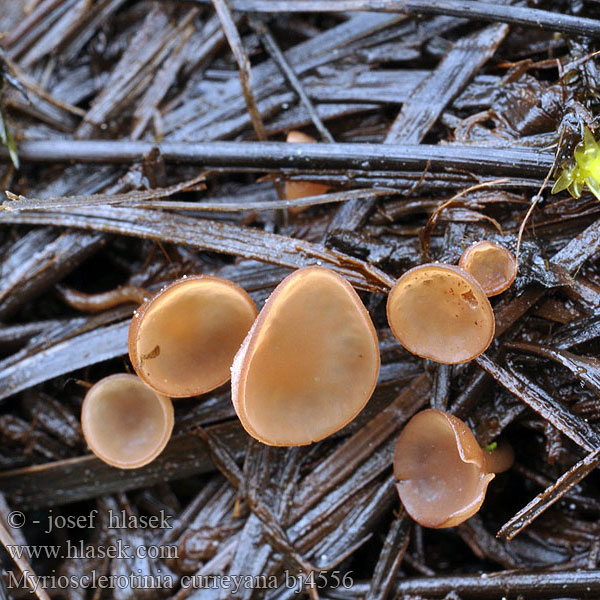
440 312
492 265
126 423
310 362
182 341
441 470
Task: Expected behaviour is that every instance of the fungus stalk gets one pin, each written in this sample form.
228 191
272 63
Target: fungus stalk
98 302
499 459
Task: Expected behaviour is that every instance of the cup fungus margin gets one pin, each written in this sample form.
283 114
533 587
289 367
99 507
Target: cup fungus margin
431 479
416 317
245 354
177 390
94 427
493 279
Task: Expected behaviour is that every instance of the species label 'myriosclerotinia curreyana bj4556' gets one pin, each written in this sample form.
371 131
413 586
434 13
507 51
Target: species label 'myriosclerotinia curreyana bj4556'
310 362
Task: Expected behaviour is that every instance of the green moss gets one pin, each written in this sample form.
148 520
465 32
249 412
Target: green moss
582 170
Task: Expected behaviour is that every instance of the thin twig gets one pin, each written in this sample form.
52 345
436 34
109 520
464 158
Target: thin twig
575 583
23 203
537 198
549 496
488 161
31 84
265 205
426 230
469 9
288 72
235 42
29 575
543 404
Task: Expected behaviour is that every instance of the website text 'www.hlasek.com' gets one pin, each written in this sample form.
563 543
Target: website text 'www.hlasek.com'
77 550
119 551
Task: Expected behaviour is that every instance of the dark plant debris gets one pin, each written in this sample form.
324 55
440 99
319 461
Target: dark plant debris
144 140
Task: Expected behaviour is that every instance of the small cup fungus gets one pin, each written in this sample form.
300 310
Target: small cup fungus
310 362
440 312
302 189
442 472
182 341
126 423
492 265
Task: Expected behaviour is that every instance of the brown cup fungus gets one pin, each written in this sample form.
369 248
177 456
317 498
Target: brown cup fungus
492 265
440 312
182 341
302 189
442 472
125 422
310 362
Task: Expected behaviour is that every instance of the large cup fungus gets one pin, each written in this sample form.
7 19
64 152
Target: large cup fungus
182 341
442 472
126 423
440 312
492 265
310 362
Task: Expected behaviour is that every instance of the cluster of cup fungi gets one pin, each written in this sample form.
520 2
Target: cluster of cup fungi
304 367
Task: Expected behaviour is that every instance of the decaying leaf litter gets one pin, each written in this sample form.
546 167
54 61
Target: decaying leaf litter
149 140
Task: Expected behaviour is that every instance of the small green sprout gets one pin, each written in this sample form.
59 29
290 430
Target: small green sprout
491 447
582 170
7 139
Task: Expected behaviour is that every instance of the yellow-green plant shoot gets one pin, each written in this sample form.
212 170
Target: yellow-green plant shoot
582 170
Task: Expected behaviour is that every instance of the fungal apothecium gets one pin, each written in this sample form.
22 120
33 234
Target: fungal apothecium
493 266
125 422
302 189
183 340
440 312
310 362
442 471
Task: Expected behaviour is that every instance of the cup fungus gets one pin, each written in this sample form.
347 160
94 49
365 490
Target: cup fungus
440 312
183 340
310 362
442 472
492 265
302 189
125 422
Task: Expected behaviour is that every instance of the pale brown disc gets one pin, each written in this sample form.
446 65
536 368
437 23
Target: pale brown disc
310 362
